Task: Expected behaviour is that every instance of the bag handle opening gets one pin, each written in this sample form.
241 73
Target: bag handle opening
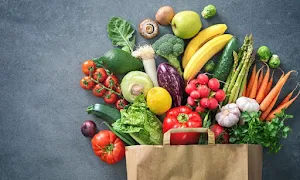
167 135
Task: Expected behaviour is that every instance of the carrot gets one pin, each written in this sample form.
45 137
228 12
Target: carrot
269 86
273 93
255 84
265 114
244 91
251 81
288 97
279 108
261 92
260 79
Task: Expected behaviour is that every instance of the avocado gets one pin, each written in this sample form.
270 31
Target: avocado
120 62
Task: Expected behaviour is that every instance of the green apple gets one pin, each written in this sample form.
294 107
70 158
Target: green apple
186 24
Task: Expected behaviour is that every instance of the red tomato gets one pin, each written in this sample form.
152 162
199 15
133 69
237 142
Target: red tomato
110 97
221 136
100 74
99 91
118 89
88 66
111 81
202 79
108 147
121 103
182 117
87 83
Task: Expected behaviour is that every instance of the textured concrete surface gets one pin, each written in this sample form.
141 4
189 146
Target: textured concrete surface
42 46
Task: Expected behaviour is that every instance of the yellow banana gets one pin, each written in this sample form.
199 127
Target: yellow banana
201 38
206 52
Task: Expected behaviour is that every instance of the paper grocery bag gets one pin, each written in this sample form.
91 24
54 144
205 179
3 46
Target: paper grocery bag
194 162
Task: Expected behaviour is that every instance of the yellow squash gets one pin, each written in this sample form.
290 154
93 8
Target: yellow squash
207 51
201 38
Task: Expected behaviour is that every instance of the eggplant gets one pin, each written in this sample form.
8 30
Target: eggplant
169 78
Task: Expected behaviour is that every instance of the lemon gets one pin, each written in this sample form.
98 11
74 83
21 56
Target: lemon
159 100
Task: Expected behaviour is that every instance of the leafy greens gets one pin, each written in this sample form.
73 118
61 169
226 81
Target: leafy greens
121 33
255 131
141 124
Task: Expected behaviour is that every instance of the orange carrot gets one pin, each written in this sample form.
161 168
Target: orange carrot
273 93
255 84
269 86
261 92
251 81
265 114
260 79
288 97
244 91
279 108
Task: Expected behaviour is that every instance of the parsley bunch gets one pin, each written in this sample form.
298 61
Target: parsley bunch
265 133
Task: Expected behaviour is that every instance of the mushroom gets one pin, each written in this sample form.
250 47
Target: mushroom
148 28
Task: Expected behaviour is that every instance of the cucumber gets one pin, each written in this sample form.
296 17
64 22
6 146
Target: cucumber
224 65
104 112
120 62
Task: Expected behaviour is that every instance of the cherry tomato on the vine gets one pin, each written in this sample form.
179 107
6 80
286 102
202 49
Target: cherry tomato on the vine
99 90
121 103
118 88
111 81
100 74
110 97
88 66
87 83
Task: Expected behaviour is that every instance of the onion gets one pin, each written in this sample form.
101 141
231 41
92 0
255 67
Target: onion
88 128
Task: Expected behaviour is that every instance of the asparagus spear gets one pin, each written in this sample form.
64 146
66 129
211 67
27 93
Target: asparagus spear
241 75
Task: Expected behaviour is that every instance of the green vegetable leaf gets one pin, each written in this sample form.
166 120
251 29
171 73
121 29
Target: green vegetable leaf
255 131
121 33
141 124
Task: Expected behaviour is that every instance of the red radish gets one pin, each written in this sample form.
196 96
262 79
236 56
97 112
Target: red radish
204 102
189 88
194 81
191 101
214 84
213 103
220 95
199 109
195 94
202 79
221 136
204 91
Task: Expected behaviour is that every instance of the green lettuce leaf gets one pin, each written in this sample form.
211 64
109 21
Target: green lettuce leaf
141 124
121 33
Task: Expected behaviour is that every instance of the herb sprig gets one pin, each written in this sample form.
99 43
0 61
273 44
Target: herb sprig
255 131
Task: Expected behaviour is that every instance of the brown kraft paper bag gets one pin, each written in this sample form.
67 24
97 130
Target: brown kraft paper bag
194 162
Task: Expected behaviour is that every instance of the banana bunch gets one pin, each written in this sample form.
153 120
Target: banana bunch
203 47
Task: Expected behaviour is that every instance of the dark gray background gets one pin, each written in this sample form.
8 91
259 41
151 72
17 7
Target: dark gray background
42 46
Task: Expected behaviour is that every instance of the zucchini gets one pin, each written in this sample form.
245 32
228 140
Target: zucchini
224 65
104 112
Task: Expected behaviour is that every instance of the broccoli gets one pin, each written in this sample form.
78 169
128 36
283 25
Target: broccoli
170 47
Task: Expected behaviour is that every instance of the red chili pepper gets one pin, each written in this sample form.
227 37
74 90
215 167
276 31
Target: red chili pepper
182 117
